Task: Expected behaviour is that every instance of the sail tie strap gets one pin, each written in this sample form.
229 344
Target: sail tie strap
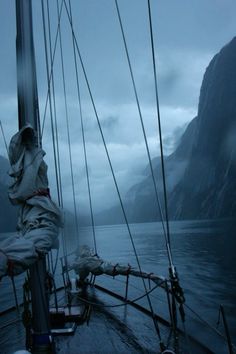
42 192
114 271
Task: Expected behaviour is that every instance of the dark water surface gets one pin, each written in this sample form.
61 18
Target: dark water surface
203 252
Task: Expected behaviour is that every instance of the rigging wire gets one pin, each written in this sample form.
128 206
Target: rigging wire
67 126
52 123
50 76
51 118
83 135
124 302
50 100
112 171
143 129
207 324
56 134
160 134
4 139
176 289
54 103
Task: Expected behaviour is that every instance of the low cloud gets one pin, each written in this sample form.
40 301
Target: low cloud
125 143
180 69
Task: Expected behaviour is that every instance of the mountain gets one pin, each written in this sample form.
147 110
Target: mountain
8 213
140 204
208 188
140 200
201 173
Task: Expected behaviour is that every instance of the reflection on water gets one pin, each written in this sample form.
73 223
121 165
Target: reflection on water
203 251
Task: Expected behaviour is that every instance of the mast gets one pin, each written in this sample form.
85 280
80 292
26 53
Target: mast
29 113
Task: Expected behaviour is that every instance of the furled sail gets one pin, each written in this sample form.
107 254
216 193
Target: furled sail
39 217
86 263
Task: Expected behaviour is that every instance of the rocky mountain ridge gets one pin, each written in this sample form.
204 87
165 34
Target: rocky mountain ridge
201 173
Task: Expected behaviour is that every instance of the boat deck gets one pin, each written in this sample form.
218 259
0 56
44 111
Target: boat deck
107 327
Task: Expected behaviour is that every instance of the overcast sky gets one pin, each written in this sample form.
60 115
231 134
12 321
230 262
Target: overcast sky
187 35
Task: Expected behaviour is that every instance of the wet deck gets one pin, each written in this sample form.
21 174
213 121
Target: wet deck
106 329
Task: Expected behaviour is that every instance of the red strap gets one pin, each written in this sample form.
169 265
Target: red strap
44 192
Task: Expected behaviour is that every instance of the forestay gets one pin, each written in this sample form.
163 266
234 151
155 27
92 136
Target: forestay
39 218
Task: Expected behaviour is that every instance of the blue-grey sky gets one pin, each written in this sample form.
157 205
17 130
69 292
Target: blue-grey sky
187 35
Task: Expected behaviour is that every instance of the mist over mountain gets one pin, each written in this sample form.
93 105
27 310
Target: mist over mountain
201 173
208 187
140 200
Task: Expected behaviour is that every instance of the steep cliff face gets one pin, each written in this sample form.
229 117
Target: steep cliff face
201 173
140 200
208 187
8 213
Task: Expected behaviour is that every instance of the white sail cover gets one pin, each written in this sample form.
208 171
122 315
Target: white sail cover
39 218
86 263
